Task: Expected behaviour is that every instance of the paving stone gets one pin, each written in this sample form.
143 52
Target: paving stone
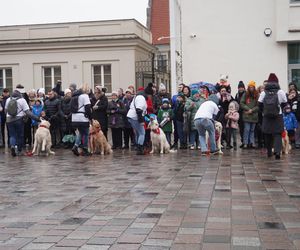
38 246
246 241
101 241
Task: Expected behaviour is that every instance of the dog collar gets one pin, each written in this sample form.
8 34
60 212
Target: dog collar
43 126
156 131
283 134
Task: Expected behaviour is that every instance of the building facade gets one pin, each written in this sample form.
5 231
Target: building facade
98 53
245 40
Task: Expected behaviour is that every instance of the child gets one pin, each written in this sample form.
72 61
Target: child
232 125
164 117
290 123
37 109
179 118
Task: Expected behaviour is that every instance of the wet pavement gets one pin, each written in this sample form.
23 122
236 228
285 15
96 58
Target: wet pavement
177 201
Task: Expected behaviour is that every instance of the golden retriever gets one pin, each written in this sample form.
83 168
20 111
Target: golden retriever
218 128
42 139
158 139
97 140
286 146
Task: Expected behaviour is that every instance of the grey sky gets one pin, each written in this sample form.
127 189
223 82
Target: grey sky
53 11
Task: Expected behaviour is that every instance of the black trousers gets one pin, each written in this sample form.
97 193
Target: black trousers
27 132
116 134
175 132
241 128
273 140
128 134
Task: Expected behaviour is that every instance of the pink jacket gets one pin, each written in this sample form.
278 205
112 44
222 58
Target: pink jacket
232 119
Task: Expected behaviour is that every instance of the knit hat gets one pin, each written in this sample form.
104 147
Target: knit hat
214 98
273 78
241 84
41 91
251 84
128 90
181 94
165 100
73 86
223 78
20 88
140 89
162 87
149 89
67 91
114 93
194 92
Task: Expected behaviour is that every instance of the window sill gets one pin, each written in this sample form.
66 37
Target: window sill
294 5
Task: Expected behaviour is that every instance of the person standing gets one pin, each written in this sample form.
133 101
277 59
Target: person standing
116 111
16 109
5 96
271 101
249 105
238 97
135 115
128 131
81 116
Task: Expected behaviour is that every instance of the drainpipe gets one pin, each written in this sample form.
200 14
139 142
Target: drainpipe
172 7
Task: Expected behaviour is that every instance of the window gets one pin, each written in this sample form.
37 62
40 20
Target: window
162 63
6 79
51 75
295 1
102 76
294 53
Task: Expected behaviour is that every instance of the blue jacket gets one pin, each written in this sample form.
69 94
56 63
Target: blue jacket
36 110
290 121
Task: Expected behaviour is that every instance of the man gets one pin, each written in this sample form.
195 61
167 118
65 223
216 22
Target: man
157 99
135 115
53 114
3 99
16 108
238 97
204 122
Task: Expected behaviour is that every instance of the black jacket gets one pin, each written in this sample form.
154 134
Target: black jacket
100 113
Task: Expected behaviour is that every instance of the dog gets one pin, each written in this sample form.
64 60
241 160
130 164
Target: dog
42 139
97 140
158 138
218 136
286 146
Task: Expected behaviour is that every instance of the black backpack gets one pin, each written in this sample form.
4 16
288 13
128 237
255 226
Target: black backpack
271 104
74 103
12 107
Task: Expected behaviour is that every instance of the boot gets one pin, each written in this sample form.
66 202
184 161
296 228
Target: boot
140 150
234 146
75 150
85 152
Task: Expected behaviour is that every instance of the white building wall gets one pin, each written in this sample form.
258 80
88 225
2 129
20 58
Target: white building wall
230 40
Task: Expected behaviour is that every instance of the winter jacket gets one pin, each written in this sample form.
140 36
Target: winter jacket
116 112
53 110
290 121
99 113
127 103
36 110
191 106
178 113
232 119
295 106
157 101
165 113
246 105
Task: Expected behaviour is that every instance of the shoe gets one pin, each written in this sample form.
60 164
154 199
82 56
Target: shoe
277 156
75 150
113 147
250 146
205 153
13 152
174 146
183 146
140 150
242 145
215 152
192 147
234 146
229 147
125 147
85 152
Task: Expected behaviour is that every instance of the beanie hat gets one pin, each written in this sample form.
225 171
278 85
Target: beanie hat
181 94
114 93
162 87
273 78
165 100
141 89
128 90
194 91
149 89
41 91
20 88
223 78
67 91
251 84
214 98
73 86
241 84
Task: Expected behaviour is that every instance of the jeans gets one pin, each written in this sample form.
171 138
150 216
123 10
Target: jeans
297 135
83 136
1 139
139 131
16 133
231 133
193 137
249 128
168 136
203 125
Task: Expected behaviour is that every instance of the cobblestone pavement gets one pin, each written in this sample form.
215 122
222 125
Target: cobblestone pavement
178 201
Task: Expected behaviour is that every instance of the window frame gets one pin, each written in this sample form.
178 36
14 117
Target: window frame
52 68
4 77
102 76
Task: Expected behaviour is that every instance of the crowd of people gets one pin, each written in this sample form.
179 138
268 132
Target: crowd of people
259 113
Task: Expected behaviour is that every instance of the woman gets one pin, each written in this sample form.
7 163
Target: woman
99 108
249 106
116 112
258 128
272 123
293 101
186 91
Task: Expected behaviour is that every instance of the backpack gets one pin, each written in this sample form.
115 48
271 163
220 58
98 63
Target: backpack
12 107
271 104
74 104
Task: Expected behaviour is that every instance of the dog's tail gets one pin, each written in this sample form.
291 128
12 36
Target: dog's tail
44 145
